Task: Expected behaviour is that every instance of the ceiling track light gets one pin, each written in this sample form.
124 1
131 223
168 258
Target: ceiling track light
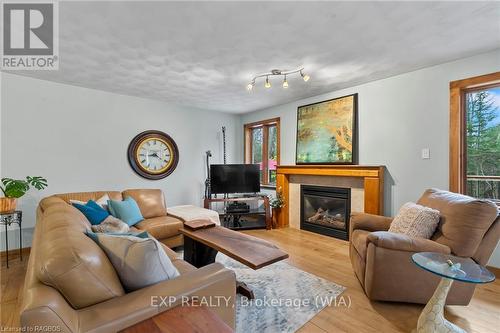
305 77
250 85
278 72
268 84
285 83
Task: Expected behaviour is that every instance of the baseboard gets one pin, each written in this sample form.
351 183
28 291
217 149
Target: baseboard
494 270
14 253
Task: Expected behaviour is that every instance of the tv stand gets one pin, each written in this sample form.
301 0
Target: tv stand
258 197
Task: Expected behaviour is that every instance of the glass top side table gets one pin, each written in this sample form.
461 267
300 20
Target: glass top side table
449 268
6 219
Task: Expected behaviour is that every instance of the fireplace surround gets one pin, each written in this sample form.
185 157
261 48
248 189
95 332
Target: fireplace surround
325 210
372 177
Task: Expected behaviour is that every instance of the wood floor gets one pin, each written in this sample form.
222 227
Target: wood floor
328 258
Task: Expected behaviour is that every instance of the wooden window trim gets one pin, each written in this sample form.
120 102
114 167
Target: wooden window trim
247 148
458 157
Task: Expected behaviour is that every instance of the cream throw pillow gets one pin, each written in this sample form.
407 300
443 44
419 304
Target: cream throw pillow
415 221
139 262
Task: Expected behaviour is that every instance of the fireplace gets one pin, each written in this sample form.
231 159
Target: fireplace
325 210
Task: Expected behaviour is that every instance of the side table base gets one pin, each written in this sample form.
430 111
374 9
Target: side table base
432 318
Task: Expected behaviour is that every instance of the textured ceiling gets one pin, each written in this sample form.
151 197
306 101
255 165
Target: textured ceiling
203 54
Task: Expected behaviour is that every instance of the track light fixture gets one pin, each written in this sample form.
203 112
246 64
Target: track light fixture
285 83
278 72
250 85
268 84
305 77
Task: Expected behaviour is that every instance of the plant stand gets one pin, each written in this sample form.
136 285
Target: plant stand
7 219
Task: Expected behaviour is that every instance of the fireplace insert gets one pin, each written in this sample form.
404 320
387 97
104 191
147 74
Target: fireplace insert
325 210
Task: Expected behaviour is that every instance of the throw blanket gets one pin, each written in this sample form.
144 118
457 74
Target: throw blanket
190 213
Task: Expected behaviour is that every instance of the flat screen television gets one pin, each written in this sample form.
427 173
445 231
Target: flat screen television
234 178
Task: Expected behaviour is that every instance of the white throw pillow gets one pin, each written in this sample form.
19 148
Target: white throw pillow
102 201
139 262
415 221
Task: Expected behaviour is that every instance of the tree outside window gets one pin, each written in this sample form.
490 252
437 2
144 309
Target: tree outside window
482 112
262 147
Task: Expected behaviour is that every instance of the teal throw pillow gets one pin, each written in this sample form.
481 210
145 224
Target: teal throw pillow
92 211
127 210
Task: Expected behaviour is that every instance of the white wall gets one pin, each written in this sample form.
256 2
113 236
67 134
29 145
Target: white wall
77 138
398 116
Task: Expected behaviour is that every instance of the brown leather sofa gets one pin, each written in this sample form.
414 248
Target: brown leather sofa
382 262
71 285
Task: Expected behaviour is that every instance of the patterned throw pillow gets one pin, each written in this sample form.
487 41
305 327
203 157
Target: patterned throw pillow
111 224
415 221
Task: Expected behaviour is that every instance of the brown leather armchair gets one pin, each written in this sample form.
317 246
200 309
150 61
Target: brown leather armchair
381 260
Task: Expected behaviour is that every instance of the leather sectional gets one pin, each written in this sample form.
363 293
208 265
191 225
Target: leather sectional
71 284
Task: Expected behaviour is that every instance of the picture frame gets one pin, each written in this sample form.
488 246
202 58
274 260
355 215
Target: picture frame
327 132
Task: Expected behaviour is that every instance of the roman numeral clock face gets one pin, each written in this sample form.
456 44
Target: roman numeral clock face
153 154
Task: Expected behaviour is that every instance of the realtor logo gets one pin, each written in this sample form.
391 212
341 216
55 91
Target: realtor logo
30 36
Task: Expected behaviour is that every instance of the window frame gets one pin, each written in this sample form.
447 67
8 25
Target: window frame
247 149
458 126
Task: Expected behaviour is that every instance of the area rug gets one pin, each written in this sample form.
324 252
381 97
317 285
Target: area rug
285 297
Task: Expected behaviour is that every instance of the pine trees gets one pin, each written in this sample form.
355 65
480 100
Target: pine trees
483 143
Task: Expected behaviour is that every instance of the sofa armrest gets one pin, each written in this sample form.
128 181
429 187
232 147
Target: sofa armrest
369 222
401 242
123 311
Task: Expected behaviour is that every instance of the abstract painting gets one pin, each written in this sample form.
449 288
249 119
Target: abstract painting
326 132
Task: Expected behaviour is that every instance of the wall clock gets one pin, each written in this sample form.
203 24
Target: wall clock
153 154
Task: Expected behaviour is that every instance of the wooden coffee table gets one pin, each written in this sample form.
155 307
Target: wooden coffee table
182 319
201 247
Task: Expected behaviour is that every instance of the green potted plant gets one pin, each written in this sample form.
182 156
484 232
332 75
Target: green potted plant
16 188
276 204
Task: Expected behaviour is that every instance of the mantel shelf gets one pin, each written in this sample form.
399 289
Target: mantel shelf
332 170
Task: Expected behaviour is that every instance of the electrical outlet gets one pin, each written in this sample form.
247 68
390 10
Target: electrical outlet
426 153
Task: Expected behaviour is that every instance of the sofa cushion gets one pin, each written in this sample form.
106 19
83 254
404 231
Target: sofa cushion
415 221
161 227
151 201
359 241
464 220
71 262
139 262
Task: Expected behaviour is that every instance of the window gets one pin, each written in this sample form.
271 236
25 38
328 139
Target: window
262 146
475 136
